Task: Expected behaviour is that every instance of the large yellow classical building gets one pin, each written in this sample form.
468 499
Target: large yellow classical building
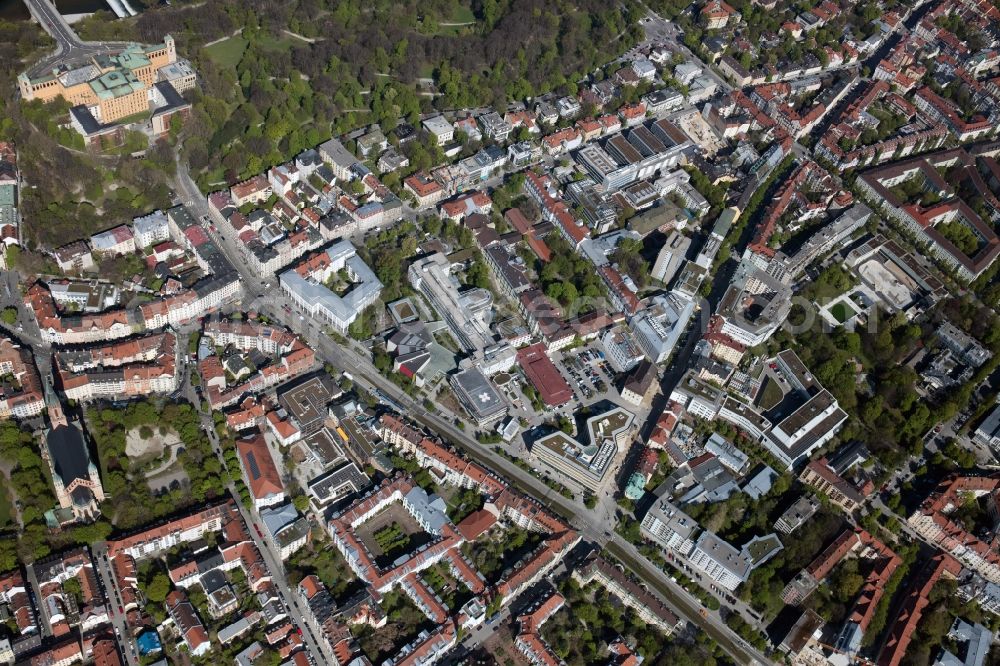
112 86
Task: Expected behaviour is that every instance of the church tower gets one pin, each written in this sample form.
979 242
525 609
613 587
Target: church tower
168 41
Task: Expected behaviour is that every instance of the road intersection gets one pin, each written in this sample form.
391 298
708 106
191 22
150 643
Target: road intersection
592 525
69 47
267 299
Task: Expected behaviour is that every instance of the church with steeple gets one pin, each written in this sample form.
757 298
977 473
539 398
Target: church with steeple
74 475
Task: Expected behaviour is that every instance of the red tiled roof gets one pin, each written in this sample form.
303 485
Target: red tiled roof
67 652
471 202
311 585
196 236
186 619
538 246
926 217
540 519
779 204
543 375
717 8
822 469
533 621
475 524
609 121
106 654
518 220
946 496
465 571
262 474
556 209
565 135
616 283
633 111
444 633
422 184
540 653
476 474
912 611
950 111
542 558
874 587
824 563
210 516
249 187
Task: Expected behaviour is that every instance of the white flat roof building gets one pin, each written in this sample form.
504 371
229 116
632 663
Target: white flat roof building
151 228
806 429
723 563
727 453
465 311
988 431
304 285
658 328
669 527
442 130
587 463
973 641
478 396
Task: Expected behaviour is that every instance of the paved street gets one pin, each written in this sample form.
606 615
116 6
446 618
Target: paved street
482 633
593 527
871 62
273 562
288 598
685 605
69 47
26 328
593 390
45 624
596 526
111 592
45 12
197 205
660 30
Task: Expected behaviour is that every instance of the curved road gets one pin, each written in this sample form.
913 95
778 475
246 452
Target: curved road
53 23
69 47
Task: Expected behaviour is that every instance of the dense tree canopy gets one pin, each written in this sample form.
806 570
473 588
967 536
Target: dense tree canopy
133 503
356 62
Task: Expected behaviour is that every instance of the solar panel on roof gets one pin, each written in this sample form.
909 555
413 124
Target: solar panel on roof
252 464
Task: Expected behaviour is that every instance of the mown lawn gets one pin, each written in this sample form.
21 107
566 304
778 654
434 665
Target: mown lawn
228 52
842 311
284 43
462 14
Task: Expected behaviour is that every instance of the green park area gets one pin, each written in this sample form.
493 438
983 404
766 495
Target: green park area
228 52
961 235
392 539
842 311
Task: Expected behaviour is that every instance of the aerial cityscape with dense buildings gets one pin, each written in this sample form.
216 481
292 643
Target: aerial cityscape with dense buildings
500 333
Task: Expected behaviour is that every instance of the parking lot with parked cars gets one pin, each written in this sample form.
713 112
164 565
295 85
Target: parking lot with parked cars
587 372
